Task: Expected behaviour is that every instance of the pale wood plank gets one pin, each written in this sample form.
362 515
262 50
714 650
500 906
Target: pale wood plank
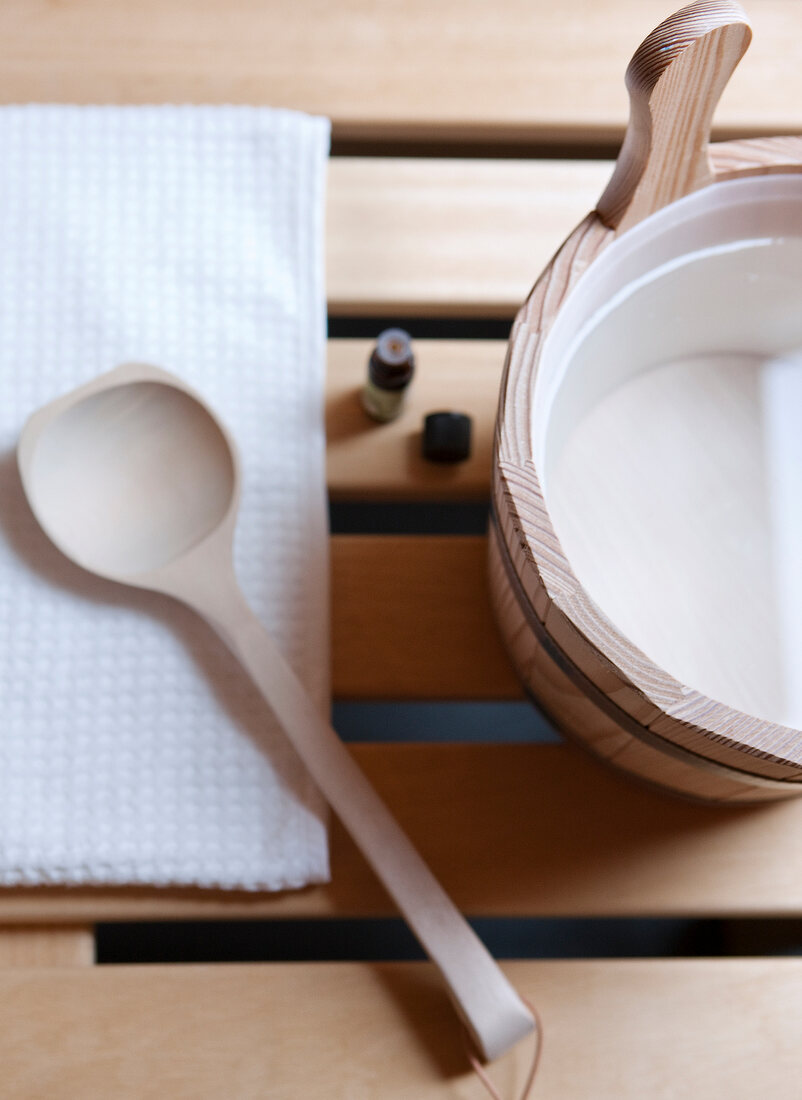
46 946
623 1030
449 237
513 830
366 460
518 70
411 618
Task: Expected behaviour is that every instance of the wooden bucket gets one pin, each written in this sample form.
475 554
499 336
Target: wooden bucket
646 544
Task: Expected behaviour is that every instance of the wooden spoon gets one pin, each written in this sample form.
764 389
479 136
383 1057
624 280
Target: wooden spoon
133 478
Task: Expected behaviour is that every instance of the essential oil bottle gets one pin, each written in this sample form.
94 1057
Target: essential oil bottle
390 369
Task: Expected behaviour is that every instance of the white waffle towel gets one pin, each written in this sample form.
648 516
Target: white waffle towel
132 747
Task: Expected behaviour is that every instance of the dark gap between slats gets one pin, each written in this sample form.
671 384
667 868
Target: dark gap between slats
482 723
559 143
420 328
604 149
347 517
390 939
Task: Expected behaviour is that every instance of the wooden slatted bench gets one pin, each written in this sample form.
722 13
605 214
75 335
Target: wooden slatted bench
512 830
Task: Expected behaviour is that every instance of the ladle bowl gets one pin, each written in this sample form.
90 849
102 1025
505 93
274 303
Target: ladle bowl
131 477
134 479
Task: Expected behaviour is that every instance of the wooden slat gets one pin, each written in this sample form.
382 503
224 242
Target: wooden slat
516 70
718 1029
366 460
46 946
411 618
449 237
514 830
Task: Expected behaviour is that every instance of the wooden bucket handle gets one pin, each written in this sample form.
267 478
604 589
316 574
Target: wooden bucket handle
675 81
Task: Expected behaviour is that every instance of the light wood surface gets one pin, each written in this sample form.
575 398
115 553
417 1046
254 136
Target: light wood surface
448 237
515 830
724 1029
515 71
46 946
403 626
366 460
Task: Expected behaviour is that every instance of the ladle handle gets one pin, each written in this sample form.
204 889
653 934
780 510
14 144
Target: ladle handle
675 81
489 1006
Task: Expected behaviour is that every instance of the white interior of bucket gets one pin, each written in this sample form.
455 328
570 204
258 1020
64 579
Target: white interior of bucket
668 429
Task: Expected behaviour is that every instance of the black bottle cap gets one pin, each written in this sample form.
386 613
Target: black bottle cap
446 437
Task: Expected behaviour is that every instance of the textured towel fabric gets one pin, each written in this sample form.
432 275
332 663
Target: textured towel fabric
132 747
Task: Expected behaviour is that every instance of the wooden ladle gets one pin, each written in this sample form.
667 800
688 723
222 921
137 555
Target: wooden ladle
135 480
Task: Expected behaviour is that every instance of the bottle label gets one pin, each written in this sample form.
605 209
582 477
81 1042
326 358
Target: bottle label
382 404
